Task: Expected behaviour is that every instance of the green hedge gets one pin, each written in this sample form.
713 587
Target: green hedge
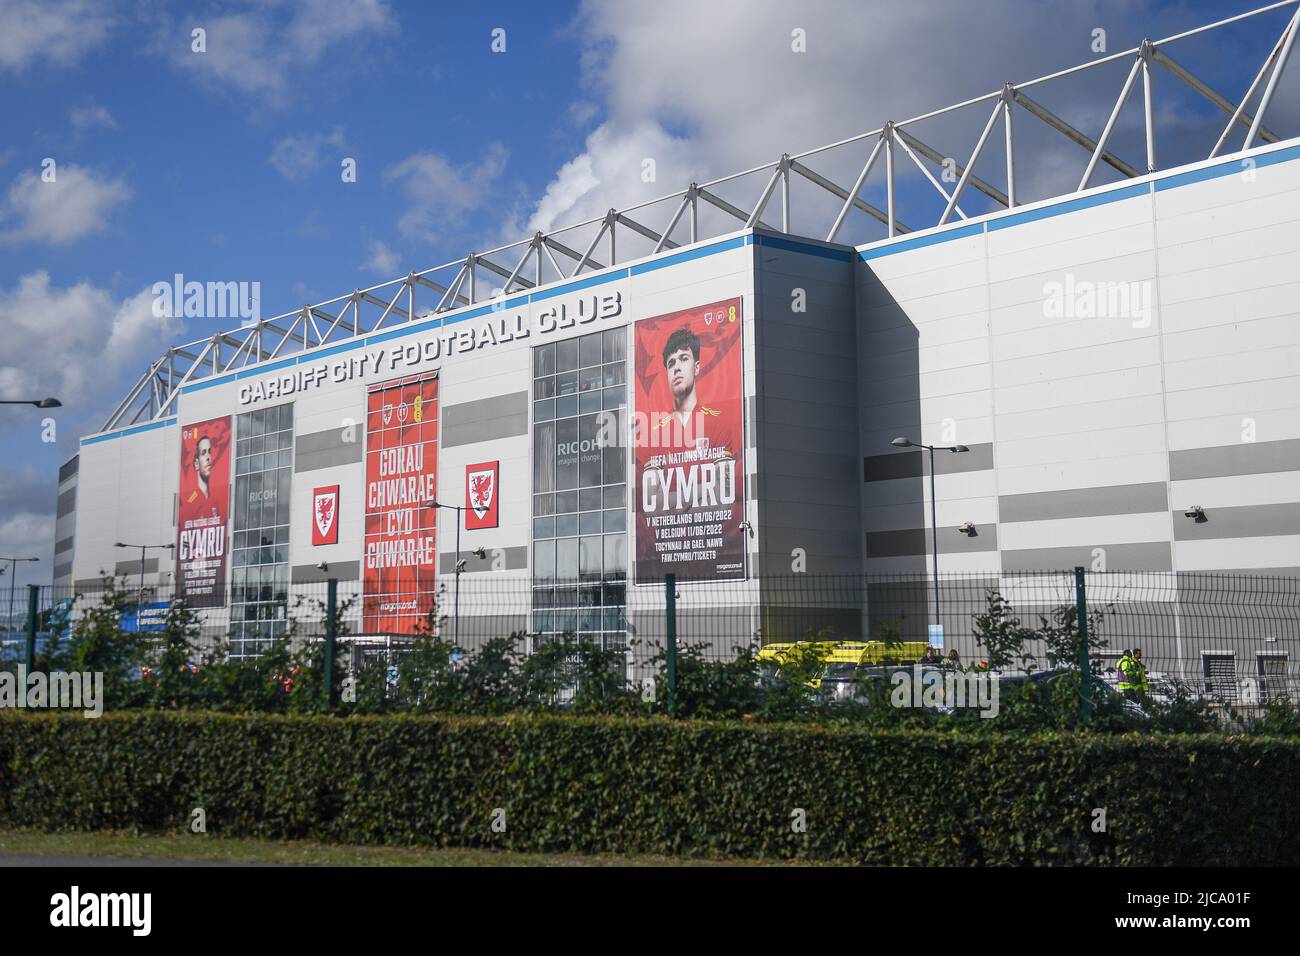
601 784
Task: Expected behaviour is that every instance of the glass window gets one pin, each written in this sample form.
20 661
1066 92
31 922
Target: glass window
579 394
566 355
263 482
589 558
544 458
566 453
566 559
589 451
616 555
544 560
613 374
614 343
544 360
589 350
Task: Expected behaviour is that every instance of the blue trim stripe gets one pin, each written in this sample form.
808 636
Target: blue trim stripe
806 248
135 430
920 242
1072 205
688 255
577 284
208 383
1229 168
467 315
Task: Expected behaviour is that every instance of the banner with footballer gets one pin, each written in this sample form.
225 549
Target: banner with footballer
400 569
204 506
690 453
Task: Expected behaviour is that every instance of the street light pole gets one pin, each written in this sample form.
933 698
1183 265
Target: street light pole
934 511
13 582
456 569
139 601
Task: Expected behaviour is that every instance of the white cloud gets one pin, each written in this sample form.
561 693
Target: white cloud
256 53
437 193
91 115
76 342
727 92
298 155
27 533
383 259
77 203
56 31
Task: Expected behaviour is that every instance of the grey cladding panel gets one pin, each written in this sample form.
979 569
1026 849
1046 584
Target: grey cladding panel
1245 521
915 464
67 503
912 541
1248 458
339 570
1085 502
512 559
133 567
1145 556
487 419
327 448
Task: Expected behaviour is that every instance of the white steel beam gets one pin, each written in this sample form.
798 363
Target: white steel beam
1267 98
1110 125
974 158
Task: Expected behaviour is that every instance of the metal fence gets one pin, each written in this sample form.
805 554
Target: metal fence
1234 636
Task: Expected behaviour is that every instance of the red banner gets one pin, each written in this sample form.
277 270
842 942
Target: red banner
690 454
481 494
401 554
204 507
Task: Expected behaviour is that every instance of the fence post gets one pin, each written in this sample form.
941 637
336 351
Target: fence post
1085 665
33 598
670 621
331 636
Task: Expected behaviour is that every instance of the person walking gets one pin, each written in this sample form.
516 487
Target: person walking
1133 674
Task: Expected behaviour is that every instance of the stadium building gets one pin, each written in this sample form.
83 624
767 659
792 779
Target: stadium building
717 398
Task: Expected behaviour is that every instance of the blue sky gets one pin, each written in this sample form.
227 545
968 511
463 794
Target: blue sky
225 165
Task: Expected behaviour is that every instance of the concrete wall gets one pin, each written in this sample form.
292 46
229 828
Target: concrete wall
1092 426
